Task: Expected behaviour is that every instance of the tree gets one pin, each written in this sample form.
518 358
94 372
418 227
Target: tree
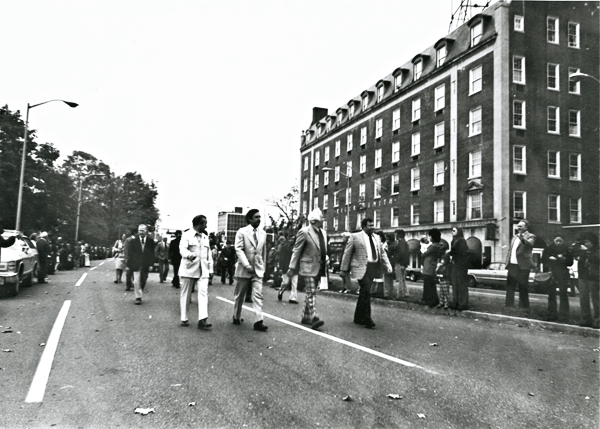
288 219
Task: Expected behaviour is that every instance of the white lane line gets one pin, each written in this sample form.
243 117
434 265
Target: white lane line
94 268
81 279
101 263
337 340
40 379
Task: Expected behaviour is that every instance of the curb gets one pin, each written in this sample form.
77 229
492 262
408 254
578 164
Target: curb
519 321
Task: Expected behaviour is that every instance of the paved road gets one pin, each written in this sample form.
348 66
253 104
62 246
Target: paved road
114 356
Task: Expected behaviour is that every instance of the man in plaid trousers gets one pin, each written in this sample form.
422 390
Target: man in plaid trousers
310 252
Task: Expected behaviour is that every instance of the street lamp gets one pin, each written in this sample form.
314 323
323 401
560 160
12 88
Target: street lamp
22 177
579 74
81 179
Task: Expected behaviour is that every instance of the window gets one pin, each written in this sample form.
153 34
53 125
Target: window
396 152
348 196
378 158
336 174
395 184
440 55
348 168
351 112
337 148
378 128
438 211
440 97
519 114
326 155
519 23
315 202
417 69
474 206
475 81
380 92
336 199
574 130
476 32
438 173
349 142
415 179
574 166
316 181
398 81
519 161
325 225
416 109
414 214
475 121
306 163
363 163
347 222
340 116
573 83
335 223
395 214
519 204
325 178
575 210
317 157
305 185
363 136
362 191
415 144
553 79
573 35
552 30
553 120
554 164
553 208
377 188
377 218
396 120
474 164
325 201
439 135
519 70
304 209
365 102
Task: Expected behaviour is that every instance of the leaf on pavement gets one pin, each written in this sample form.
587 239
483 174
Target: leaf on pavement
531 394
144 411
421 415
42 344
191 404
433 344
347 398
394 396
7 350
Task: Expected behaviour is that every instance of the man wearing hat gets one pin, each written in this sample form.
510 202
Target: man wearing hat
310 252
43 249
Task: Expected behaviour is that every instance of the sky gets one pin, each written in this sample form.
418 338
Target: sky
208 99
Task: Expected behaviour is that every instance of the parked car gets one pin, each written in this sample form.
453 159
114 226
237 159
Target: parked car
495 275
19 264
414 274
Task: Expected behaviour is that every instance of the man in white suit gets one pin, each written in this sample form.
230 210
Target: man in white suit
251 252
365 257
310 251
196 268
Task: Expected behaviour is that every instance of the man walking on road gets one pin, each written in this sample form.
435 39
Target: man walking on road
365 257
251 251
162 253
400 260
228 258
196 268
310 252
519 262
140 257
175 258
43 248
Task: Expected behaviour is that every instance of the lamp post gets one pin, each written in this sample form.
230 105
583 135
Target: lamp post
579 74
81 179
22 177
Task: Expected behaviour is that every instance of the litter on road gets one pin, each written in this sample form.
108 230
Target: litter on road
347 398
394 396
191 404
421 415
144 411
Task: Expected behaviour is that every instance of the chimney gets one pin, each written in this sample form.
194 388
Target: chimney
318 114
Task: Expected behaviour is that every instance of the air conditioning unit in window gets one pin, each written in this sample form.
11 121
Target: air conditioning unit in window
519 215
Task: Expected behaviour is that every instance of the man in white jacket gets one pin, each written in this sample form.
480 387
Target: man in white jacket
196 267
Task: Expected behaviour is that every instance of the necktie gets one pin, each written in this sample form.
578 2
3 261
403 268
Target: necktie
255 239
373 251
323 253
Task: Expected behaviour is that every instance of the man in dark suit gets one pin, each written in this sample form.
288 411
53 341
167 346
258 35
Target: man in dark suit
518 263
175 257
140 257
228 262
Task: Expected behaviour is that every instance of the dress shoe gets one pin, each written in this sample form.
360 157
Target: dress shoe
237 321
317 323
306 322
280 294
138 301
116 281
185 323
203 324
259 326
293 301
369 325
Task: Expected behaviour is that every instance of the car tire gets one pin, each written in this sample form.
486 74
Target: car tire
471 282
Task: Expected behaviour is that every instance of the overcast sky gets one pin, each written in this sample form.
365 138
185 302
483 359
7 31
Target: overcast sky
206 98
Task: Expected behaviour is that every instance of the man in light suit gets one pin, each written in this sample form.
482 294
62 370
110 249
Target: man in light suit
518 263
310 251
196 268
251 252
140 257
365 257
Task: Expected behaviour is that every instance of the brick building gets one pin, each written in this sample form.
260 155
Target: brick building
483 128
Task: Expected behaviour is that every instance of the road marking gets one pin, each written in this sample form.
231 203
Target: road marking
94 268
337 340
101 263
40 379
81 279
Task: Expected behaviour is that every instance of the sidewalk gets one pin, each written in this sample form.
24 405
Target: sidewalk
482 307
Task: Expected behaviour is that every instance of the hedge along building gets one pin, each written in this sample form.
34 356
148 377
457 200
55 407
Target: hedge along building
480 130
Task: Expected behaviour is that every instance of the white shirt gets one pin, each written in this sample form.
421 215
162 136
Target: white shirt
513 250
370 256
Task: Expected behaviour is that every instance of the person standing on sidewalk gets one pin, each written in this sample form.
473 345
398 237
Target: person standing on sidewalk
518 263
558 258
43 249
175 257
251 251
589 286
196 268
310 253
429 261
459 251
140 257
400 260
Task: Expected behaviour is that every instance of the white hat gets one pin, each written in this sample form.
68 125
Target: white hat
44 234
316 214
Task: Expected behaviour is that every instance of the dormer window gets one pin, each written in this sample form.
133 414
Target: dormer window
340 115
380 91
398 82
476 33
366 98
440 55
398 78
417 69
329 122
352 108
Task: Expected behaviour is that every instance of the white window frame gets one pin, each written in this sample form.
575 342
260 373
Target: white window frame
348 168
377 219
336 200
325 224
418 70
326 155
519 150
340 117
415 179
471 207
519 24
574 83
394 216
416 109
378 157
440 97
349 142
352 111
347 222
396 120
555 165
306 163
316 180
574 45
348 196
377 188
325 178
554 32
439 135
335 223
317 157
397 82
363 164
521 214
518 66
315 202
553 198
578 202
438 211
380 92
577 124
325 202
476 33
395 152
575 167
475 79
474 165
305 185
415 144
553 111
363 136
522 116
304 207
553 72
378 128
336 174
365 103
395 181
415 214
362 192
438 173
475 126
440 55
338 148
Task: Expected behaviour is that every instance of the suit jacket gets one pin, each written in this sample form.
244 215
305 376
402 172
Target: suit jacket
355 255
430 258
307 251
138 259
161 250
524 258
196 244
248 253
